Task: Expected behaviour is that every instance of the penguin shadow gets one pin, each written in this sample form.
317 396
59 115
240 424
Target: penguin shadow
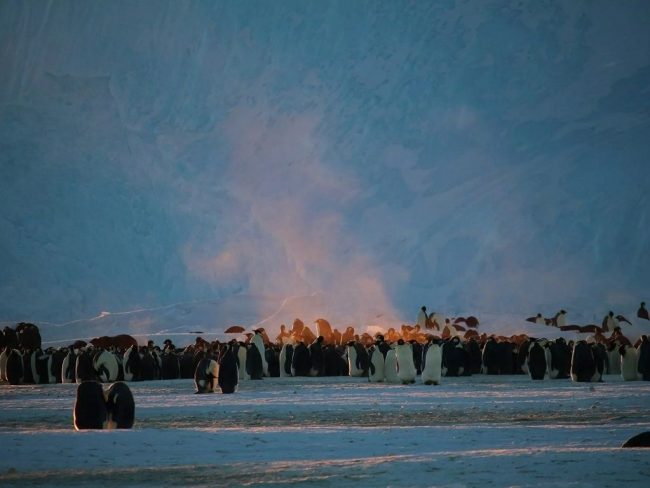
96 408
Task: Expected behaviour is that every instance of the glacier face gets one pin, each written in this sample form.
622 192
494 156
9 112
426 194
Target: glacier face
472 156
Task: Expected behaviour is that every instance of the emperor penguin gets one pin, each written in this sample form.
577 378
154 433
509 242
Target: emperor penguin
614 358
3 363
537 361
583 363
390 367
357 359
376 371
90 406
286 356
406 371
68 366
15 367
120 406
106 365
205 375
432 364
242 353
228 371
258 341
132 362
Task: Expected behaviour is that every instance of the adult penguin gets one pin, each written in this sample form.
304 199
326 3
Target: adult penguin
15 367
643 353
242 354
84 370
491 357
560 359
56 364
40 363
474 356
4 354
642 312
300 361
537 367
583 365
335 363
390 367
629 363
376 367
286 356
600 358
132 364
363 358
120 406
258 342
406 371
383 346
417 355
90 406
28 372
507 358
254 363
356 364
205 375
432 364
68 368
228 371
170 365
316 357
186 361
522 357
453 357
147 365
614 358
273 360
106 365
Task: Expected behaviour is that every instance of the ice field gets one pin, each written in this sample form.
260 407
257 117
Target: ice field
469 431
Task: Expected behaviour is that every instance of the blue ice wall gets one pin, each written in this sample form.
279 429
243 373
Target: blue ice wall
471 155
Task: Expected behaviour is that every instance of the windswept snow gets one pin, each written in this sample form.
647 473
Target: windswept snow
474 431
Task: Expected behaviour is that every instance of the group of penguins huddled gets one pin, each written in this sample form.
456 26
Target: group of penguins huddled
221 366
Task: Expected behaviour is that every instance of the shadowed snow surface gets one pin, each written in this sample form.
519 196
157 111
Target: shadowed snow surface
488 431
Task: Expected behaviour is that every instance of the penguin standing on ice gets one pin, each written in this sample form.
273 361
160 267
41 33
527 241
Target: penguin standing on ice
390 367
537 366
205 375
300 361
432 364
286 355
376 367
258 342
90 406
583 364
406 371
228 371
254 362
120 406
15 367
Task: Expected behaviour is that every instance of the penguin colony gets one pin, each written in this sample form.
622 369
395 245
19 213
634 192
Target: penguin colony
221 366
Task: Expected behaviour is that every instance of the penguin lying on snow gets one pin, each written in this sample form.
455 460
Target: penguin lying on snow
96 409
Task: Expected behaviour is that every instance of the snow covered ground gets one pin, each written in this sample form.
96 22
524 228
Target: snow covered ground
474 431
